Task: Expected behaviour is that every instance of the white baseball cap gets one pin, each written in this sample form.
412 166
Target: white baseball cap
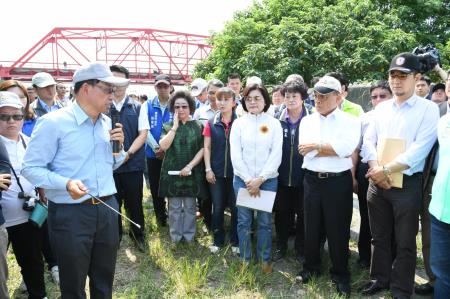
10 99
42 80
198 86
98 71
327 84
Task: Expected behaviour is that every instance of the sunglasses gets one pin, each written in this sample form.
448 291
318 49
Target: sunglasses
381 96
181 107
7 117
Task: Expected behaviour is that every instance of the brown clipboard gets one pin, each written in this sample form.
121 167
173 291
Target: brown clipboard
388 149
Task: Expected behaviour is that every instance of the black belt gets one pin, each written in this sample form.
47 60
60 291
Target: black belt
94 201
326 175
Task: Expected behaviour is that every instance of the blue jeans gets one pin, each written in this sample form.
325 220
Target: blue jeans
244 226
222 195
440 257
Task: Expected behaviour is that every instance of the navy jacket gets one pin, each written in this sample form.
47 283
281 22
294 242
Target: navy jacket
290 170
220 147
129 118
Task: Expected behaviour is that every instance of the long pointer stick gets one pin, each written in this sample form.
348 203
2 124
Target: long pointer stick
138 226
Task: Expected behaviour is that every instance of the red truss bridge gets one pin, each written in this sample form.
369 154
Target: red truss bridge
144 52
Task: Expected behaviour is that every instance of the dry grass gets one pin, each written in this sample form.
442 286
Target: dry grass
166 270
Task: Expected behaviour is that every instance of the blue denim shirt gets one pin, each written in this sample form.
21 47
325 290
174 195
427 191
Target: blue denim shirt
65 145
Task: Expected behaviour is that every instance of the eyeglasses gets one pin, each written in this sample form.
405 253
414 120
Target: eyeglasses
400 76
181 107
109 89
322 97
7 117
255 99
381 96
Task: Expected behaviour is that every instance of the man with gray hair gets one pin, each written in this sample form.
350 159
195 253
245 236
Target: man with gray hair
206 112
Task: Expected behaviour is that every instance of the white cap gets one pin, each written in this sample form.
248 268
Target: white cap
42 80
10 99
198 86
253 80
98 71
327 84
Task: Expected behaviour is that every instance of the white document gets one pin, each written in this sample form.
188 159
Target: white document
176 172
262 203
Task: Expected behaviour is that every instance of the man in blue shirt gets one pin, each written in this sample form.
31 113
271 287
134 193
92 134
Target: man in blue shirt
157 113
45 88
70 156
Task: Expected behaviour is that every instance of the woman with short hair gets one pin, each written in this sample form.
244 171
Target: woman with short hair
256 141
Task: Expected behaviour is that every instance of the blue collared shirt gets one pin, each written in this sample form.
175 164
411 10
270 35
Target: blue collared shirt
47 108
66 145
414 121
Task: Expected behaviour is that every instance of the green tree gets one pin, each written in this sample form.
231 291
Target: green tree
275 38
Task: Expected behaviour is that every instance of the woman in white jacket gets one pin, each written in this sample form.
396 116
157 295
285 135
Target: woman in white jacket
256 142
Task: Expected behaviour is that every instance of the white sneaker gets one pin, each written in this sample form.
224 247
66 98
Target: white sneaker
55 274
214 249
235 250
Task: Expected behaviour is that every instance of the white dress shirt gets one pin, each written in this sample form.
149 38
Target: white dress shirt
204 113
414 121
341 130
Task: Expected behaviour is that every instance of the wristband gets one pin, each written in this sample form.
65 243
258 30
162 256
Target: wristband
173 130
263 179
208 169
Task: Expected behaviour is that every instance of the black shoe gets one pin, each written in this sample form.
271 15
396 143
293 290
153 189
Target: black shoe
162 222
303 276
424 289
278 254
372 288
300 257
343 289
363 264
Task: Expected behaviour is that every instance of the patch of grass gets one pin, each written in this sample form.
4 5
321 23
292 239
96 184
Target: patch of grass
168 270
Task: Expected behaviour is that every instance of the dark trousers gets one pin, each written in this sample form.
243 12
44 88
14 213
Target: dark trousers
395 211
205 208
222 195
26 242
129 191
154 173
364 239
49 256
289 201
328 202
85 239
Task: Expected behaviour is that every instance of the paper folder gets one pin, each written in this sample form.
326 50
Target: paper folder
388 149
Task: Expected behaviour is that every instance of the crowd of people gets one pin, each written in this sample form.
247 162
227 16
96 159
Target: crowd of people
200 149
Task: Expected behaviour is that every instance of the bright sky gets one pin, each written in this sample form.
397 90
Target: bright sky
26 22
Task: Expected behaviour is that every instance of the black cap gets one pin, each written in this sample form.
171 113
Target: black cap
162 79
438 86
405 62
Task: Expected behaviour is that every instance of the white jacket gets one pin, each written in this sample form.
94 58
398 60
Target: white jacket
256 145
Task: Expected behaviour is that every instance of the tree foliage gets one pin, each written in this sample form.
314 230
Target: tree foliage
275 38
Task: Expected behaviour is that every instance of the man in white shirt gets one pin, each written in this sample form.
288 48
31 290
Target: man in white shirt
327 140
128 177
198 90
208 111
395 211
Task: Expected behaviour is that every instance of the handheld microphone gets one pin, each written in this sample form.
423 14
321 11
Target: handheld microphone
115 118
